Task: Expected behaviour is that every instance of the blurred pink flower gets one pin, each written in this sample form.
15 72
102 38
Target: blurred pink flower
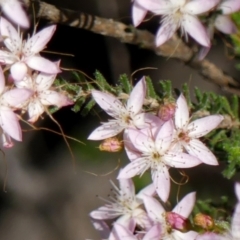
187 133
155 153
24 54
138 13
126 116
43 95
180 14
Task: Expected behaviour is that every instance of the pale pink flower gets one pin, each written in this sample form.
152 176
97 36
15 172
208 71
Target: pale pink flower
138 13
43 95
187 133
180 14
158 215
125 116
22 55
125 205
13 9
9 101
223 21
155 154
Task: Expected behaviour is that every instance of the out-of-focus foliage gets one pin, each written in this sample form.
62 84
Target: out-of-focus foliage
236 37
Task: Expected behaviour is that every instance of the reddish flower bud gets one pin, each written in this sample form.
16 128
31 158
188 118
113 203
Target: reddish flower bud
111 145
176 221
204 221
167 111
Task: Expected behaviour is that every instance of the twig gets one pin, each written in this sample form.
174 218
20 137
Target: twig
174 48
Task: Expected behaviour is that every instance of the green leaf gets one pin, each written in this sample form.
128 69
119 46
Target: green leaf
88 107
125 84
150 89
102 82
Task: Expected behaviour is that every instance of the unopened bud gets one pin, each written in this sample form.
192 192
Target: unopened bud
167 111
176 221
204 221
111 145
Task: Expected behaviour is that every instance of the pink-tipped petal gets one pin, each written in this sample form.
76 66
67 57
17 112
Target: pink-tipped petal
50 97
109 103
229 6
38 41
107 130
161 181
18 71
43 65
185 206
9 123
196 30
138 14
136 98
198 149
6 140
14 10
181 113
225 25
200 6
203 126
165 32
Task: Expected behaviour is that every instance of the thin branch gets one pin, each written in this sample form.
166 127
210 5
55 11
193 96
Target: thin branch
174 48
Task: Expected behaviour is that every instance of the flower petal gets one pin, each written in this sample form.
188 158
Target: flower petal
18 71
141 141
196 30
44 81
127 187
43 65
165 32
180 160
14 10
38 41
103 213
199 6
237 191
131 151
138 13
2 81
10 35
161 180
185 206
149 190
136 98
198 149
49 97
35 109
153 233
164 137
109 103
136 167
225 25
7 57
185 235
16 97
158 7
120 232
203 126
107 130
6 140
9 123
154 209
181 113
101 227
229 6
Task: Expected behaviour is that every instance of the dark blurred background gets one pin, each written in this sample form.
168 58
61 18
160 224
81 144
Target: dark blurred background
48 195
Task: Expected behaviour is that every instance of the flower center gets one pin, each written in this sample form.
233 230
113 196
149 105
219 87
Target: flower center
184 136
